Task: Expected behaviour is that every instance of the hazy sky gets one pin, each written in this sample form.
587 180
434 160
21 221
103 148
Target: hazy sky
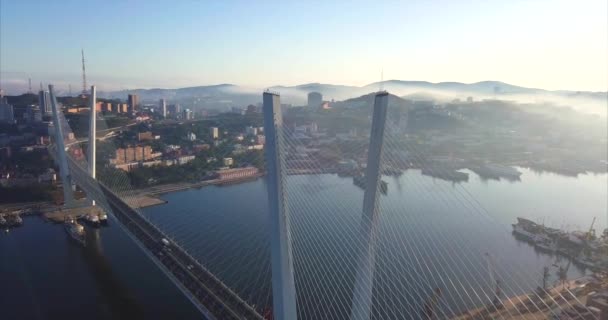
545 44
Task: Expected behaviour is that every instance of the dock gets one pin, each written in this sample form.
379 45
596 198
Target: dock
61 215
143 201
533 306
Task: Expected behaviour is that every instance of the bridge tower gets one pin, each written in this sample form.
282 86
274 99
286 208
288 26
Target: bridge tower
364 282
66 178
283 286
92 133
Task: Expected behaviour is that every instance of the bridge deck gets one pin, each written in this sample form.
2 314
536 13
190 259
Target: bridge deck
213 296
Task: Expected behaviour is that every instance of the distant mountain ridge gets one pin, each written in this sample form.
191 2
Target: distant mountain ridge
229 94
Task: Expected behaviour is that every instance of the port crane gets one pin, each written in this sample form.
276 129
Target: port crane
431 305
591 232
562 274
496 302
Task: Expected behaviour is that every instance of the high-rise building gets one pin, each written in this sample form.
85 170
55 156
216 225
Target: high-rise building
175 109
7 113
315 99
163 108
188 114
251 109
33 114
215 132
251 131
44 101
120 108
133 102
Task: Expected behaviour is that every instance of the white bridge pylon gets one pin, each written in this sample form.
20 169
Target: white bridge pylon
92 134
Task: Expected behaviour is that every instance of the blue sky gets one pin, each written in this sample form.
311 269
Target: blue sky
130 44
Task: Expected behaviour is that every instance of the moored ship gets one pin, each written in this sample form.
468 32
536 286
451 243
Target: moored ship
103 218
75 231
92 219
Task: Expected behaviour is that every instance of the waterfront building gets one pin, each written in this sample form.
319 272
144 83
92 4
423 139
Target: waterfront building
226 174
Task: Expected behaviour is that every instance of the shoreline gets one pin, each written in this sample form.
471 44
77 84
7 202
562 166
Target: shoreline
150 196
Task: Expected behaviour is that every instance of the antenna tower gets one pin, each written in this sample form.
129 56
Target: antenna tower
84 75
30 85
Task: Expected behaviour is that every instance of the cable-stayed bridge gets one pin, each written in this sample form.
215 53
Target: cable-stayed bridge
379 271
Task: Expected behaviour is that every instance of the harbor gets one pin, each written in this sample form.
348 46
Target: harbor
582 298
584 248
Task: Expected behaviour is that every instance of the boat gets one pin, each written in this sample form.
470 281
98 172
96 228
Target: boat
14 220
92 219
520 231
530 225
445 174
575 238
554 233
585 261
360 182
103 218
75 231
544 243
496 171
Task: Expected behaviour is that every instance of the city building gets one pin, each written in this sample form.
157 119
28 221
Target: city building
163 108
133 154
175 109
99 106
44 101
251 131
144 136
179 160
315 99
200 147
191 136
215 132
237 110
251 109
227 174
7 113
188 114
32 114
133 102
260 139
256 147
228 162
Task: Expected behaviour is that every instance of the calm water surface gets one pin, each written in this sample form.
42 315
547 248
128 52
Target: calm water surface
433 233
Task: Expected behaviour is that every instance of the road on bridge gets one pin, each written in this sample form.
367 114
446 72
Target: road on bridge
211 296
